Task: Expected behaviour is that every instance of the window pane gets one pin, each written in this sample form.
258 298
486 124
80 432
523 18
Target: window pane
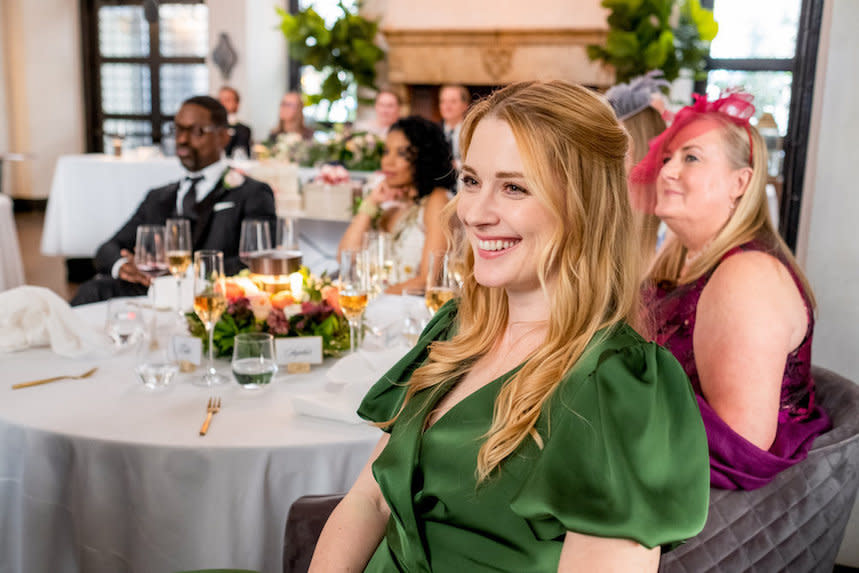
125 88
771 91
123 31
759 29
134 133
184 29
179 82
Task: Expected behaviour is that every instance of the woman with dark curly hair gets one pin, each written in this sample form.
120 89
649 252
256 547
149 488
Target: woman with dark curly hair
417 165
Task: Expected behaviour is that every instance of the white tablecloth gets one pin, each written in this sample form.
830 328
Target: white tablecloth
11 267
100 475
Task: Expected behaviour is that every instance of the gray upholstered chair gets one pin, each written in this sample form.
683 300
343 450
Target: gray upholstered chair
795 523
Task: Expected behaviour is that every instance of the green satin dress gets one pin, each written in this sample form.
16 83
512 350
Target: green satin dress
625 455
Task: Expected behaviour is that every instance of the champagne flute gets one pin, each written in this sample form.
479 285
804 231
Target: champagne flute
178 238
254 238
441 280
354 291
210 302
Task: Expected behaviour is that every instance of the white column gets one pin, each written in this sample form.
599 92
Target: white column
260 74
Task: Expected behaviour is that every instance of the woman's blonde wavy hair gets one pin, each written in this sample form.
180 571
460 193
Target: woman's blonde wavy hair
749 221
572 149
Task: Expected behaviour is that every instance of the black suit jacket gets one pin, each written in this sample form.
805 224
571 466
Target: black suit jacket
241 137
212 228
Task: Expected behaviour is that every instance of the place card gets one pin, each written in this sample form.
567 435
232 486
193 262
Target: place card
306 349
187 351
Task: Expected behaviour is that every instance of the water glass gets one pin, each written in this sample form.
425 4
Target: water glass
156 365
254 238
253 359
124 323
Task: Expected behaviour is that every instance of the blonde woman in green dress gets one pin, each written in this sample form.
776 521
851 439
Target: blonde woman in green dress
531 428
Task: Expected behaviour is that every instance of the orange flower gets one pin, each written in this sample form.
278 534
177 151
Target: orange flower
331 295
282 299
232 291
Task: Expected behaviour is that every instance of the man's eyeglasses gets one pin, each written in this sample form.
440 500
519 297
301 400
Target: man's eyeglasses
193 130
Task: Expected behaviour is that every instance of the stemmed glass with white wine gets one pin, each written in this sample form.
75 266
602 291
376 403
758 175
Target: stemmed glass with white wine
178 238
441 280
354 291
210 302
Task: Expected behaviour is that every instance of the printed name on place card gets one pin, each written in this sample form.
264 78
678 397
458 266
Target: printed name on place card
187 351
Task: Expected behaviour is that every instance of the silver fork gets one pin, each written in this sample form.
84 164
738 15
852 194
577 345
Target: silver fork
212 408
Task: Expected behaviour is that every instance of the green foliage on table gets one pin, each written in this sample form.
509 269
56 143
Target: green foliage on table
346 52
647 35
356 151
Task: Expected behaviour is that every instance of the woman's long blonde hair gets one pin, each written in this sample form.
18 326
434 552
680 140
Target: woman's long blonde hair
749 221
572 149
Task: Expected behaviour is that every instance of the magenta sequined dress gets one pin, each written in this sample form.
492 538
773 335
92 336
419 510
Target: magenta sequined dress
736 463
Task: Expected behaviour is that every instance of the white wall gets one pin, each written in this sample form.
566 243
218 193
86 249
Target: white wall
260 75
829 247
44 107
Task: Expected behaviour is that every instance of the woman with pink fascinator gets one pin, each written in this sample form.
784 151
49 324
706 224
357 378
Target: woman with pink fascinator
725 294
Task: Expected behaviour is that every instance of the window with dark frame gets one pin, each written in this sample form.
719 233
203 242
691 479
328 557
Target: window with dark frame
142 58
771 50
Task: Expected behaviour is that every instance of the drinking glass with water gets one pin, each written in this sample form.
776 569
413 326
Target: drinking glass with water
124 324
253 359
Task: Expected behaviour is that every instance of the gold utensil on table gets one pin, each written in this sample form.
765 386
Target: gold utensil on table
86 374
212 408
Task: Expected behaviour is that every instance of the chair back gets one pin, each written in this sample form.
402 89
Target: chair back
797 521
304 523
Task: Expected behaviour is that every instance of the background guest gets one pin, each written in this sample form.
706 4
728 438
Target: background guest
291 118
453 102
632 103
408 202
240 134
387 111
214 197
531 428
728 298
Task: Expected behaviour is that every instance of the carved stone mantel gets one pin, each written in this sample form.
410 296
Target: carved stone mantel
493 57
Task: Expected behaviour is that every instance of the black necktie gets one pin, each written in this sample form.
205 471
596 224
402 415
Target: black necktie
189 201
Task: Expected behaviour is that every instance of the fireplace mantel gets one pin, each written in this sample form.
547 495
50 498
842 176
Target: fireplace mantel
493 57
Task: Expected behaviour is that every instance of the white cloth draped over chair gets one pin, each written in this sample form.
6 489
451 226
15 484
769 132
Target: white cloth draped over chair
11 266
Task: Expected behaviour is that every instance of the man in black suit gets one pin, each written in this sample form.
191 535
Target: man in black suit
240 134
214 197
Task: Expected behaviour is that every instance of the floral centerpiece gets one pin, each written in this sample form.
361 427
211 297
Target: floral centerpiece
312 311
357 151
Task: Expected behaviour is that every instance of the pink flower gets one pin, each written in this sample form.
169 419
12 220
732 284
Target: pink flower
333 175
278 324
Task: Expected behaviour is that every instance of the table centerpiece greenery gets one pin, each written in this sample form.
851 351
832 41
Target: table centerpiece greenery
314 311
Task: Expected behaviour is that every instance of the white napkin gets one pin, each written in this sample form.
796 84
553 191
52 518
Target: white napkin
357 373
35 316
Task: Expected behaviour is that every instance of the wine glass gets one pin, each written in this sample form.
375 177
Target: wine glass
178 239
285 237
253 359
150 255
354 291
210 302
255 238
441 280
378 245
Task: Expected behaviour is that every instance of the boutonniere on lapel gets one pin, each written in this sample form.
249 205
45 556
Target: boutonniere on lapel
233 178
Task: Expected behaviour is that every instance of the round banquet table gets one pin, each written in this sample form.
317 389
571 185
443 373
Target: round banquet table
102 475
